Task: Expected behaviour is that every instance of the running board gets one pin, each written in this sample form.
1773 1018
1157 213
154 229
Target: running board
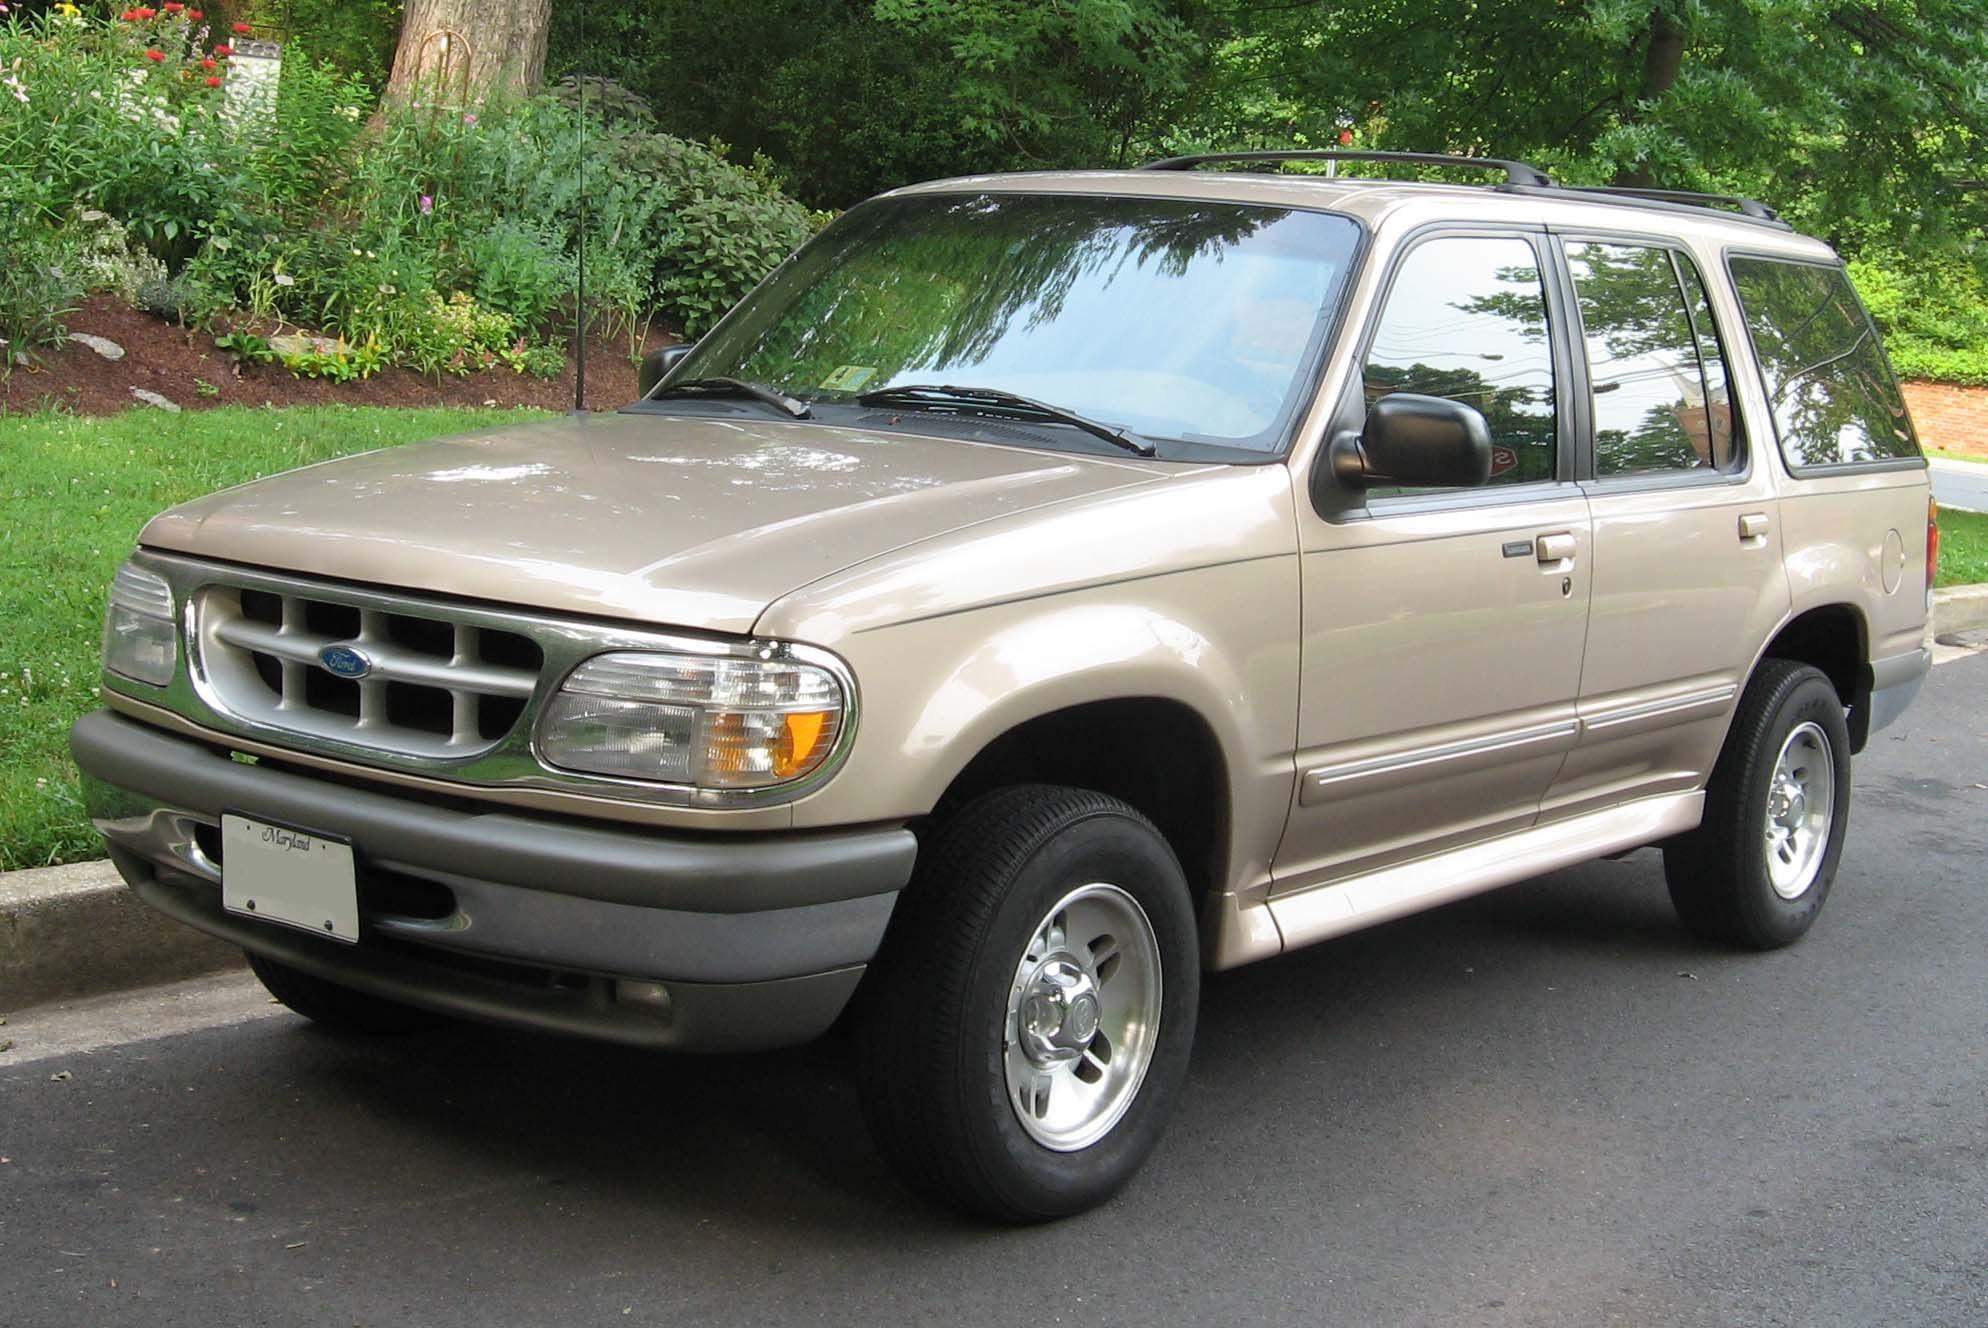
1309 916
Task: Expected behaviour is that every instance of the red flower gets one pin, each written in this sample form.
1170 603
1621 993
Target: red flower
213 80
207 63
1345 137
145 13
195 15
174 6
223 51
155 56
243 29
129 16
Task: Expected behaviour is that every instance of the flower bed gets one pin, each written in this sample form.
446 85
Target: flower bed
441 239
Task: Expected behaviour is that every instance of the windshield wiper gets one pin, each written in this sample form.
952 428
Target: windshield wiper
942 395
735 387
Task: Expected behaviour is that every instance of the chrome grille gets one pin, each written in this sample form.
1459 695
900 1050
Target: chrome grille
416 683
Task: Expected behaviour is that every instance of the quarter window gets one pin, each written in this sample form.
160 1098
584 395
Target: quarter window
1828 384
1654 367
1466 319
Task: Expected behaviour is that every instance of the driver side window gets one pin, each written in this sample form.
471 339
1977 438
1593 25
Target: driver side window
1466 319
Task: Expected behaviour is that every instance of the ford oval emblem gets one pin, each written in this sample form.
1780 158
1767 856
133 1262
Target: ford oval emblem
345 661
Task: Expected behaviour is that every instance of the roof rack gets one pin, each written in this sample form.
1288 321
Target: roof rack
1516 172
1747 206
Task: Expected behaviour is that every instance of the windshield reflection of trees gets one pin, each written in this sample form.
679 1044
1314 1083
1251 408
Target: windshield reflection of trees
936 284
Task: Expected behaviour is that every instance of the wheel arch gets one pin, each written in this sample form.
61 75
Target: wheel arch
1834 638
1157 753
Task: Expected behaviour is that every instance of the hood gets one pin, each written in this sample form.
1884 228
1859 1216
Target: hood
668 520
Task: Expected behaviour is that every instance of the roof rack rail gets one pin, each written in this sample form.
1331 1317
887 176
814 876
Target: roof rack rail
1516 172
1747 206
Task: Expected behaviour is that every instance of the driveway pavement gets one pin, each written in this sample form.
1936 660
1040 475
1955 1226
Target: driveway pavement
1961 484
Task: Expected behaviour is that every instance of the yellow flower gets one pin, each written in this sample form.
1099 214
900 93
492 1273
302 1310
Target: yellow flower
68 11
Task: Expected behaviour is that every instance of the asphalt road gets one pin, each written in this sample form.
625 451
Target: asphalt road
1962 484
1544 1106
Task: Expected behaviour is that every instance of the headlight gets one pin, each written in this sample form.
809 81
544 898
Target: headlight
139 640
708 721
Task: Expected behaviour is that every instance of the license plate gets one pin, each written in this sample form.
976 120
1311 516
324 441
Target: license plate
293 877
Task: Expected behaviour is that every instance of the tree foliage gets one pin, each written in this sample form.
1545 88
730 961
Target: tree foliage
1864 122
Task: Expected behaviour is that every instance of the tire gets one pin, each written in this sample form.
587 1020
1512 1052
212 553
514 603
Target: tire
1731 882
340 1008
974 982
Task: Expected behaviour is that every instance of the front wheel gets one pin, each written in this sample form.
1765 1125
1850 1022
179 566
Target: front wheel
1026 1027
1756 872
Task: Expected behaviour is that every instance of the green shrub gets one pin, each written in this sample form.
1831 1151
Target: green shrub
1934 316
38 288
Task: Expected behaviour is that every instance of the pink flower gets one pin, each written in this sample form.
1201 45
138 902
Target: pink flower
427 204
469 117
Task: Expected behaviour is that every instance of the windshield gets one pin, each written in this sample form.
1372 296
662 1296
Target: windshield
1179 320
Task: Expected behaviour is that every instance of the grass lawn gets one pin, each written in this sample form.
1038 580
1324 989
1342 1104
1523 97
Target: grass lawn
73 495
1976 457
1963 548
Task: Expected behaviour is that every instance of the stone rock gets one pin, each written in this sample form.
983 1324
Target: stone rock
103 346
296 343
153 399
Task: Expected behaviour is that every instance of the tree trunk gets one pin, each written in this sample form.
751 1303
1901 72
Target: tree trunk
458 51
1663 59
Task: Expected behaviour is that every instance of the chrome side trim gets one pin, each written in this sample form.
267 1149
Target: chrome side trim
1709 700
1325 911
1319 781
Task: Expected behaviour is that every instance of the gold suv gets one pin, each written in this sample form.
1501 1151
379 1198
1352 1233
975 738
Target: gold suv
1040 590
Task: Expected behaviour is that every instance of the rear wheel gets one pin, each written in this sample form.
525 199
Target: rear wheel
1758 869
339 1008
1026 1027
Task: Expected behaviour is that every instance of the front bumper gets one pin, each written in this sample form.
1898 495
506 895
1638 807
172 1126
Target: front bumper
720 942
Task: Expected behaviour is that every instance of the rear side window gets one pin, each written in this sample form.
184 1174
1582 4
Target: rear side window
1834 400
1655 371
1466 319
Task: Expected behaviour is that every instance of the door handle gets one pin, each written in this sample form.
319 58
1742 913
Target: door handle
1555 548
1753 525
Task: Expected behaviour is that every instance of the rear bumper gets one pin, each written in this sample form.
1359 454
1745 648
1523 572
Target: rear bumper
721 942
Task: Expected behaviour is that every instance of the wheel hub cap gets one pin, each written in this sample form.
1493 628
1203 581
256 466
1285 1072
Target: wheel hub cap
1083 1017
1801 804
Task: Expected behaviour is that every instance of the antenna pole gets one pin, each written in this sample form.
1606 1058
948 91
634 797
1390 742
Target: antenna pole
580 274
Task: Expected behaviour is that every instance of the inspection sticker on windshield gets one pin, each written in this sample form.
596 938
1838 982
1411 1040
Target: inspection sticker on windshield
849 378
287 876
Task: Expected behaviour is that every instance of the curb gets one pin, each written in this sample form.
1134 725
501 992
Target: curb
1959 609
78 931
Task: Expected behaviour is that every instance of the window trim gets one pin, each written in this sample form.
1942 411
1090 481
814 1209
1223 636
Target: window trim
1351 411
1874 466
1741 469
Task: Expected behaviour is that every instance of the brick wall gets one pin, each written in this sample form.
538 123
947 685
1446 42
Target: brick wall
1953 418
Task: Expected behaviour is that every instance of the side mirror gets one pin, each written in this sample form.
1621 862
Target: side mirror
657 364
1416 441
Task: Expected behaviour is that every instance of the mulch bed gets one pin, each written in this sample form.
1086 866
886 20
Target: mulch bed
174 361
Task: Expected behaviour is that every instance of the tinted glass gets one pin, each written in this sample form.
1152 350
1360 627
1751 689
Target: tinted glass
1654 408
1180 320
1466 319
1722 418
1831 391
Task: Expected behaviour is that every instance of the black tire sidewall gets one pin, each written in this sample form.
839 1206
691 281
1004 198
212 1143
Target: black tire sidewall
1809 698
1030 1178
